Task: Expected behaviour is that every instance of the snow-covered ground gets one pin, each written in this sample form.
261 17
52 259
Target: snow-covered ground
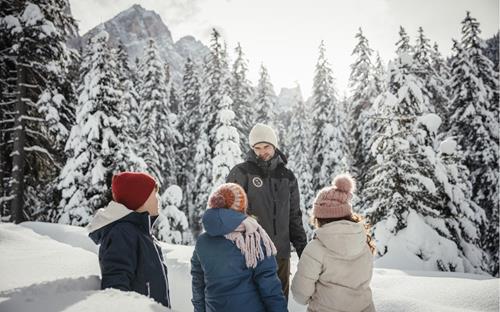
52 267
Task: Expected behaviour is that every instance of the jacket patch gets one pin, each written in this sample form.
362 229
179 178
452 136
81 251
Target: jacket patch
257 182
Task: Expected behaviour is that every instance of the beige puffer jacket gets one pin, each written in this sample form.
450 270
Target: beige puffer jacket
335 270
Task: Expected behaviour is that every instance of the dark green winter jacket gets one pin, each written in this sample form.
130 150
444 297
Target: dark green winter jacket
273 197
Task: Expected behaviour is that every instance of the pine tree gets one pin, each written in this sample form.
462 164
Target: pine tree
172 225
491 50
265 99
423 69
364 91
129 112
368 130
241 93
300 161
379 75
344 136
474 124
95 153
461 217
191 118
37 105
166 130
154 102
216 78
326 154
440 86
130 102
216 83
283 115
227 153
175 104
400 194
403 44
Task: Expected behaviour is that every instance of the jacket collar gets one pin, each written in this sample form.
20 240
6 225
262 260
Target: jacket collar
114 213
269 165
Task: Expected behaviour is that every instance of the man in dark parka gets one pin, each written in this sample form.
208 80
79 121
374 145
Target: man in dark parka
273 196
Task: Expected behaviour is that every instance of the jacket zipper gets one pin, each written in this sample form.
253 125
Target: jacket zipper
148 289
161 264
274 205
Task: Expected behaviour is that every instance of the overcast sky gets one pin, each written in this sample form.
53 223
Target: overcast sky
284 35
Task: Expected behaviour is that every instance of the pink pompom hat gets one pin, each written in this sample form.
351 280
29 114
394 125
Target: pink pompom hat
335 201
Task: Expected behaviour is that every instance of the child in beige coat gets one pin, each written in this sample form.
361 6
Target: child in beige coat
335 269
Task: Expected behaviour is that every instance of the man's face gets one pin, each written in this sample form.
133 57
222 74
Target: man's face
264 151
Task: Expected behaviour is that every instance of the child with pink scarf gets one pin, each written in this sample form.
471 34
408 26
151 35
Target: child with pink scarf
233 266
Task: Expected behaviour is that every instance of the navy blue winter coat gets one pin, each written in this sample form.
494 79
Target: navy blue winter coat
221 280
129 258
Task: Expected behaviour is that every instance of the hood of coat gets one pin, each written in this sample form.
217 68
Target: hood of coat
345 239
115 212
221 221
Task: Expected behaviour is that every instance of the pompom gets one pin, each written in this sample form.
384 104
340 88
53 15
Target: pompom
217 200
344 183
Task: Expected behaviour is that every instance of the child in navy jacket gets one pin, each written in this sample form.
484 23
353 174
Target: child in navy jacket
129 258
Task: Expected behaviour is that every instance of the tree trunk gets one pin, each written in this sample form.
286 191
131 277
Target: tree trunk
18 153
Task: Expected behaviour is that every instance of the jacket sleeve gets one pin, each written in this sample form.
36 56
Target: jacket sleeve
238 176
269 285
197 284
297 234
308 270
118 258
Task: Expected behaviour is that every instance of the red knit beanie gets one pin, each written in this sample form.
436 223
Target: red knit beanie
229 195
335 201
132 189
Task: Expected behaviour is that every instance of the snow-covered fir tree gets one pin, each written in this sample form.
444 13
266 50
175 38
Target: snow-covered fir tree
95 153
439 86
400 194
491 50
37 103
300 161
129 112
364 92
264 99
403 44
368 129
283 115
422 52
344 134
461 218
241 94
215 84
154 94
174 100
173 226
475 126
191 119
216 81
130 102
227 152
326 152
168 136
379 74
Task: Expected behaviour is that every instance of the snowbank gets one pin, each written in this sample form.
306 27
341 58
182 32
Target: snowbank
75 236
39 273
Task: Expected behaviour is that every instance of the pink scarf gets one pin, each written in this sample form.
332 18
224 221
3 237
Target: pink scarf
248 237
